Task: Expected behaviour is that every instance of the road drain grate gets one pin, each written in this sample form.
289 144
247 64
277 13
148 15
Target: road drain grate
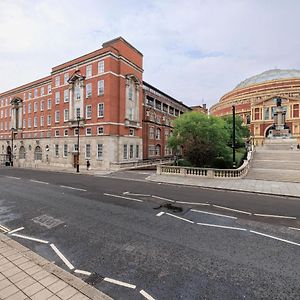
170 207
94 278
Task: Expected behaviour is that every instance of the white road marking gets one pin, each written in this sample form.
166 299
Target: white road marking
4 228
193 203
209 213
294 228
275 238
72 188
37 181
180 218
122 197
16 230
13 177
30 238
275 216
160 213
162 198
131 286
231 209
220 226
62 257
131 194
146 295
83 272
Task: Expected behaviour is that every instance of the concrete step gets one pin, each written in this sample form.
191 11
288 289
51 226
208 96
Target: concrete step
276 164
274 175
277 155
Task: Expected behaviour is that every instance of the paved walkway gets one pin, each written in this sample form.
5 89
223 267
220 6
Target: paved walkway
26 275
248 185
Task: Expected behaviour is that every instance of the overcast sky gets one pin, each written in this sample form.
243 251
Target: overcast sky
194 50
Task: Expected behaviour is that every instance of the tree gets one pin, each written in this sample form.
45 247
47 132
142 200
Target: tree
202 138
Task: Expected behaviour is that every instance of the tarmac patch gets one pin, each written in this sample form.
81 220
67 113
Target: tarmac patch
47 221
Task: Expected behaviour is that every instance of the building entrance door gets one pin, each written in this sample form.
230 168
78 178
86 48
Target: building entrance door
75 160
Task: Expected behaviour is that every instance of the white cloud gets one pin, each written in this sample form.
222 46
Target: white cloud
193 50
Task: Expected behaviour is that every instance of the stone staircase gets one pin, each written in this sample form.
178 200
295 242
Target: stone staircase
276 161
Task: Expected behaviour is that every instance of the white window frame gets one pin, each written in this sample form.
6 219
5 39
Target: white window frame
57 97
89 71
49 103
66 115
100 115
57 81
88 151
57 116
86 130
88 111
66 96
88 90
100 86
101 66
100 157
49 120
66 132
100 133
56 132
65 151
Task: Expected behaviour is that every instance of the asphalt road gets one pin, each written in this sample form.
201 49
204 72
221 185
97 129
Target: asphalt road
109 226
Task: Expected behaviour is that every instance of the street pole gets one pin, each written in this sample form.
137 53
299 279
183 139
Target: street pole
78 120
12 147
233 137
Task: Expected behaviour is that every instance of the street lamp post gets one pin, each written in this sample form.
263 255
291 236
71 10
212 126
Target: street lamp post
12 147
78 121
233 137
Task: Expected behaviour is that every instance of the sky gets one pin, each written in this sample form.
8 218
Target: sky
194 50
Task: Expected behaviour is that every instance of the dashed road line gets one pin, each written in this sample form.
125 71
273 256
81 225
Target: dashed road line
162 198
146 295
294 228
83 272
128 285
132 194
183 219
122 197
193 203
210 213
221 226
160 214
231 209
62 257
274 237
16 230
13 177
274 216
38 181
72 188
29 238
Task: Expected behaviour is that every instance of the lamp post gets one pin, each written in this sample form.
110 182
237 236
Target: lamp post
233 137
12 147
78 121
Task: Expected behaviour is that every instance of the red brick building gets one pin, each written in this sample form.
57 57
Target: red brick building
101 93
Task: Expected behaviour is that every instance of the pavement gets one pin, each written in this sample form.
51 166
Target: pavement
277 188
26 275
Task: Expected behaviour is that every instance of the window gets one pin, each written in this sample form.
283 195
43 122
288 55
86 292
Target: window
57 132
131 132
42 91
78 112
35 106
296 111
125 151
151 150
256 113
66 96
56 150
49 88
65 154
100 110
66 78
88 71
88 131
57 81
157 135
24 123
37 153
75 147
49 104
100 130
24 109
151 133
131 151
101 67
29 108
29 123
101 87
48 120
22 152
76 131
88 90
137 151
57 97
88 112
88 151
66 115
35 122
57 116
266 113
35 93
77 93
100 151
66 132
42 121
29 97
130 96
42 105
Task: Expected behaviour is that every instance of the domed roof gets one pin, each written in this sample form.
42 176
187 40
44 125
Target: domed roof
274 74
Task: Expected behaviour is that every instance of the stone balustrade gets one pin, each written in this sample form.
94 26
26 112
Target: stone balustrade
207 172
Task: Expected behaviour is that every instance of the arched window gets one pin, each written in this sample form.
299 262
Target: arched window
38 153
158 133
22 152
157 150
